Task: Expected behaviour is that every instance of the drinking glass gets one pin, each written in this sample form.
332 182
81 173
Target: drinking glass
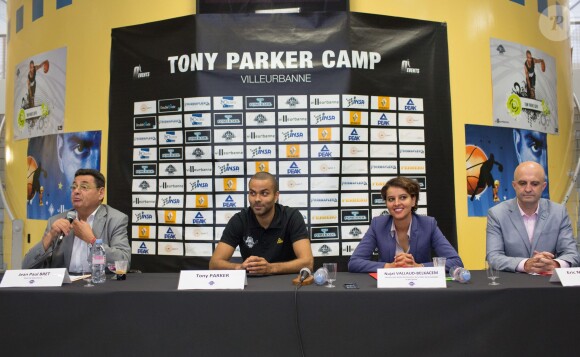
331 268
492 273
88 271
112 269
439 262
121 269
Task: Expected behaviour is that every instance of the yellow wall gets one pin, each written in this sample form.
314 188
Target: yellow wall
85 29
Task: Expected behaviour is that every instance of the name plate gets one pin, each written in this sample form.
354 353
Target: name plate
411 278
35 277
567 276
212 279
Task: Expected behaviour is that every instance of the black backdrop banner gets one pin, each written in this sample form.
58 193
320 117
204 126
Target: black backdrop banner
334 104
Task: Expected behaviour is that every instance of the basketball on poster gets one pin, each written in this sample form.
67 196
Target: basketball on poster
491 156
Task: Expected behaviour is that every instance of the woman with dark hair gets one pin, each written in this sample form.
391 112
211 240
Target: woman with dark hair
402 238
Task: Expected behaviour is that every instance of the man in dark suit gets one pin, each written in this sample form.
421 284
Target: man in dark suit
529 233
93 221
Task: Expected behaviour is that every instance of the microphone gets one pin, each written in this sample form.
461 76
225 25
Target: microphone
71 215
303 278
304 273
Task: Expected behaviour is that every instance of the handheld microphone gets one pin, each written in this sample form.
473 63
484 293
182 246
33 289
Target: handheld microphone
304 273
71 215
303 278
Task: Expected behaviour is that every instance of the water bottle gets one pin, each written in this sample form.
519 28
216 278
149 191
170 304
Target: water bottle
99 262
460 274
321 276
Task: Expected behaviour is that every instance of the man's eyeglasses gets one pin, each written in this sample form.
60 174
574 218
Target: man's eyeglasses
83 187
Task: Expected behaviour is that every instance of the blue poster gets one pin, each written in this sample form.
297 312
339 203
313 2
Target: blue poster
52 161
491 156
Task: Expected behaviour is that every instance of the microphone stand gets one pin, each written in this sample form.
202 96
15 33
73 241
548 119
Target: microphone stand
54 246
46 256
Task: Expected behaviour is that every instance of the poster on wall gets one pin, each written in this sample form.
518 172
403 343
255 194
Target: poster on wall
491 156
39 92
51 164
324 101
524 87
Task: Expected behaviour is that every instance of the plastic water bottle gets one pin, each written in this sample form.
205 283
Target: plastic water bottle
99 262
460 274
321 276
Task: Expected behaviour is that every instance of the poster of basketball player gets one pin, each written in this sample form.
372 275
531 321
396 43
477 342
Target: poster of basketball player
491 156
524 87
52 161
39 91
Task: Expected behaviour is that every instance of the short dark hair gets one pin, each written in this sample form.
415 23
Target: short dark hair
99 178
411 186
263 175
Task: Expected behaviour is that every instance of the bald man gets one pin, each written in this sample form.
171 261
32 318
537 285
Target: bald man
529 233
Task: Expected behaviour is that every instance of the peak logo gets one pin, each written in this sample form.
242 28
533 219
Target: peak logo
169 234
199 219
294 169
229 202
325 152
143 249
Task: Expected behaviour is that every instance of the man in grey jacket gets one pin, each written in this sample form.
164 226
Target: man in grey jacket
529 233
90 220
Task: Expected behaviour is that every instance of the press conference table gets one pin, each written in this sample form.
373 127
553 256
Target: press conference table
147 316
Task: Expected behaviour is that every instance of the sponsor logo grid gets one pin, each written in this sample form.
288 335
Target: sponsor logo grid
331 154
